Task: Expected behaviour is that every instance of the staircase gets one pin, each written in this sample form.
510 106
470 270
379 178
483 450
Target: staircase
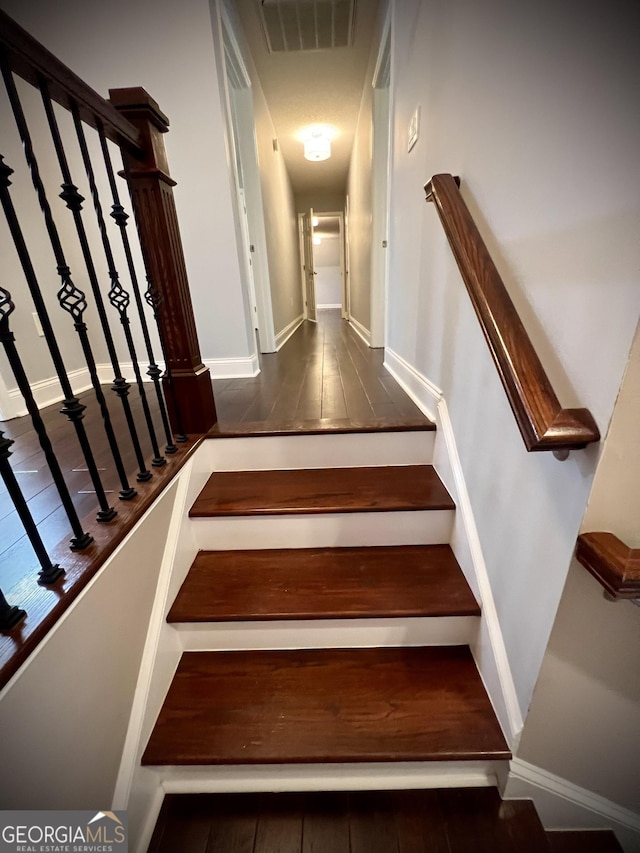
326 626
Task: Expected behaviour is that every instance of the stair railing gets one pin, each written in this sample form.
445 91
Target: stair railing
133 123
613 563
543 423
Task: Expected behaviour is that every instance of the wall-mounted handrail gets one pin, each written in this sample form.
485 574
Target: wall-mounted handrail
543 423
30 60
615 565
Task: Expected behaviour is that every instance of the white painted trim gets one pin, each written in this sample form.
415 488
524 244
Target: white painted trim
422 391
131 749
47 391
325 530
284 334
233 368
564 805
329 633
328 305
331 777
325 450
360 330
150 821
489 652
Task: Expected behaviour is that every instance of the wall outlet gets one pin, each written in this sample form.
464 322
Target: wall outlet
37 323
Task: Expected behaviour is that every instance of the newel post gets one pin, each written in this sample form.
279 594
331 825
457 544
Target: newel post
187 384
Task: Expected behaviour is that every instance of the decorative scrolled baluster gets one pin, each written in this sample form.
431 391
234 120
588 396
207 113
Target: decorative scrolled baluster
80 539
73 199
153 298
120 217
72 407
118 296
10 615
49 572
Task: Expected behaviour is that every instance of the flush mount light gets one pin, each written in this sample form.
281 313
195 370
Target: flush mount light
317 146
317 240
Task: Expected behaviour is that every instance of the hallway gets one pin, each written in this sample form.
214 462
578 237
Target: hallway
324 373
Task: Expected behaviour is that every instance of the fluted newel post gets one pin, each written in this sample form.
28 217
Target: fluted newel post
188 384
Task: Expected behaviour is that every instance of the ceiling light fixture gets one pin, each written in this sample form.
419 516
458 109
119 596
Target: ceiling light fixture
317 145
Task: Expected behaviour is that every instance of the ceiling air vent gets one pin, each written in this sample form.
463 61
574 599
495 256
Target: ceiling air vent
307 24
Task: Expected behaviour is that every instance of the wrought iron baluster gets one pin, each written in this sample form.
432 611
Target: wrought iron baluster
120 386
153 299
120 217
118 296
49 572
80 539
72 407
10 615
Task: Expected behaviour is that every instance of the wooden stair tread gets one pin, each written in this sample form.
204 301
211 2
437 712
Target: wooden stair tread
322 490
321 426
316 583
583 841
470 820
328 705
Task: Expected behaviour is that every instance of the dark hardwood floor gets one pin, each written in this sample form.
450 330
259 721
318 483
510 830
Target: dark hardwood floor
323 375
470 820
324 371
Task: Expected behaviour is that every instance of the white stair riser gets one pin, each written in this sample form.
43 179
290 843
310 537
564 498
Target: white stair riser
324 530
329 450
331 777
328 633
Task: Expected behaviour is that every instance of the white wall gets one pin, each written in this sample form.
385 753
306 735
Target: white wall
65 714
167 49
534 106
592 659
280 218
326 262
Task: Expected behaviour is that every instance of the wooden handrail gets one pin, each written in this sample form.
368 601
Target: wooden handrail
30 60
611 562
543 423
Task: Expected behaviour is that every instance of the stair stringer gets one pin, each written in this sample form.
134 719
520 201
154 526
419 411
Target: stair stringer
488 649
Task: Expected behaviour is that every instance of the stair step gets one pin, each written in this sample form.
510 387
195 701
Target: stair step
323 490
329 705
430 821
324 583
583 841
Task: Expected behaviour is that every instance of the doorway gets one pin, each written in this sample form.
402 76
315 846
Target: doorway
322 252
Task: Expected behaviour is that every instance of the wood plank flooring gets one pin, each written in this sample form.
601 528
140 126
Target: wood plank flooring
324 583
430 821
327 705
323 372
585 841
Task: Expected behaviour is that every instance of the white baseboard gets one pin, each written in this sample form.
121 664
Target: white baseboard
360 330
489 650
48 391
233 368
284 334
563 805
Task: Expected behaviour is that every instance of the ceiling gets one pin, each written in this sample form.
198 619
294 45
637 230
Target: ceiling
305 87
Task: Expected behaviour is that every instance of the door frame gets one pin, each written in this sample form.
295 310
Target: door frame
243 150
382 161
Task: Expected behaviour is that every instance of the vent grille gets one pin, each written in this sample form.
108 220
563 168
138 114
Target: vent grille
291 25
